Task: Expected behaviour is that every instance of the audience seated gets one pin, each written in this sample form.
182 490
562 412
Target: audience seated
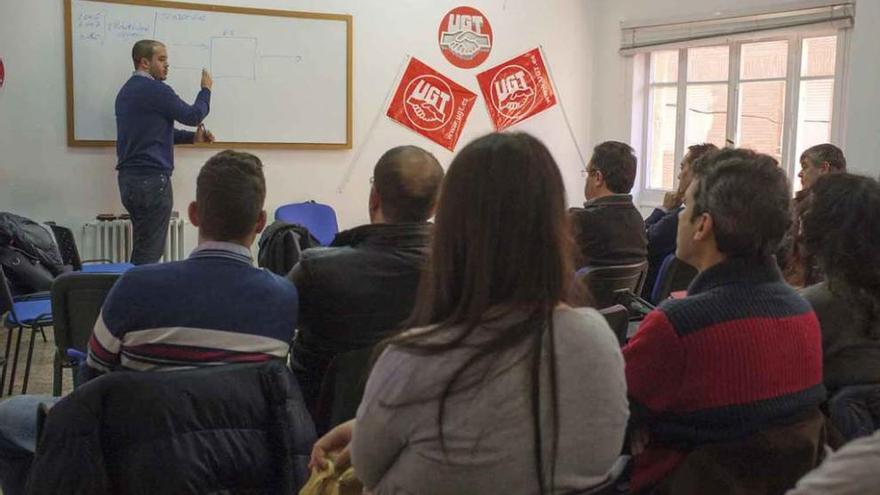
851 470
662 224
799 268
609 229
501 387
210 309
356 292
841 229
741 354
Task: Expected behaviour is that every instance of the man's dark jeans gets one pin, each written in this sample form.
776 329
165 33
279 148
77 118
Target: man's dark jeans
146 194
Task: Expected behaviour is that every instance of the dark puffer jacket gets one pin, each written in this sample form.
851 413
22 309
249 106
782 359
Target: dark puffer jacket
229 429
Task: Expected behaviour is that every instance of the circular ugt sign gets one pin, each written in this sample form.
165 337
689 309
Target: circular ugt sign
465 37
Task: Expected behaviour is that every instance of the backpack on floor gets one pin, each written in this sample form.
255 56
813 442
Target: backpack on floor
281 244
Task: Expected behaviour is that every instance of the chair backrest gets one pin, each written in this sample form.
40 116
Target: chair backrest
67 245
319 218
76 302
674 275
342 388
224 429
604 281
617 317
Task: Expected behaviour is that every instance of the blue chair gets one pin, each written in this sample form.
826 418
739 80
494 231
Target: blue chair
27 312
117 268
674 275
319 218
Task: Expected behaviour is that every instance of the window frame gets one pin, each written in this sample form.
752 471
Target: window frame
648 196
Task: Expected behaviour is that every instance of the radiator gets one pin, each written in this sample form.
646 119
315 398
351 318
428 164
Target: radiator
112 240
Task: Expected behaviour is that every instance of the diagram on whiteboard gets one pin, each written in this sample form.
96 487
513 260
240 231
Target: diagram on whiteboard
277 79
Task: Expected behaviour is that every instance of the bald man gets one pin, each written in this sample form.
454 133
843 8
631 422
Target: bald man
353 293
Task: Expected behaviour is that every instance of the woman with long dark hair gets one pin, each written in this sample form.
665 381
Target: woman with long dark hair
841 227
499 386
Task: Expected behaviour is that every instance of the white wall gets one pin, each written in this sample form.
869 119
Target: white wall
611 109
42 178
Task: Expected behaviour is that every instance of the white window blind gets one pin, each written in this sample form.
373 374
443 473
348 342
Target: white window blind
640 37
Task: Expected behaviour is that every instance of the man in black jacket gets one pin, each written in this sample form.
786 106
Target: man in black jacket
609 229
356 292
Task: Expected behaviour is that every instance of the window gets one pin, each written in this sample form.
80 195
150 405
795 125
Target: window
773 95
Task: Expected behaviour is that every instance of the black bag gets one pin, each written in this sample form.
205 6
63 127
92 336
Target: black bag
281 244
32 239
25 273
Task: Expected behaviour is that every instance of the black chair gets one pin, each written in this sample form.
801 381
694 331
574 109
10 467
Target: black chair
617 317
342 388
240 428
22 313
76 302
674 275
605 281
70 254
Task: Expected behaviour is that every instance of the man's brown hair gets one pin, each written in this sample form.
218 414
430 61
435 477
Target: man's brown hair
230 192
143 49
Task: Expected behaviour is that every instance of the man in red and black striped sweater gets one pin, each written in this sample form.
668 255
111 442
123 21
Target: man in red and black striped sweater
742 352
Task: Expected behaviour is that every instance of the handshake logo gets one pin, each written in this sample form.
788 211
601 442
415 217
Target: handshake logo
427 102
513 91
465 44
465 37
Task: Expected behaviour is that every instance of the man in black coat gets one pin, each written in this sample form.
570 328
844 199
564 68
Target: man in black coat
609 229
358 290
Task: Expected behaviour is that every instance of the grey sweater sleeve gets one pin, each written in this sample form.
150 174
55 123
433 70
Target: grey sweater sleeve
852 470
378 434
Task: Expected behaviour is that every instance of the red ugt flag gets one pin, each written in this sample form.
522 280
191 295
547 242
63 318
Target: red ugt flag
517 89
431 104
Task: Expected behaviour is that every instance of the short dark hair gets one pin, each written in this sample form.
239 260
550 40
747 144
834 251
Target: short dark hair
821 153
747 195
230 192
407 180
144 49
696 151
840 227
617 163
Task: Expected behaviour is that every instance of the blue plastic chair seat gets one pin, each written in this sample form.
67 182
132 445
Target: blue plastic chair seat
319 218
29 311
107 267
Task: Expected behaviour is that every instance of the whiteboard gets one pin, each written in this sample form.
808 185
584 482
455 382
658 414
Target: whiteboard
282 79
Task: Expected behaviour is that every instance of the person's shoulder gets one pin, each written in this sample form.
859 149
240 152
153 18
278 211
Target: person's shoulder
584 327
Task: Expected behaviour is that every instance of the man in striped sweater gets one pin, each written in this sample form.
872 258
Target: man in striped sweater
213 308
742 352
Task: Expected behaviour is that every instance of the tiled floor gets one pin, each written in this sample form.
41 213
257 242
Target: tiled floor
41 368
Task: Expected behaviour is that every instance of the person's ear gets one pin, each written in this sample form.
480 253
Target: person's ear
193 213
262 218
375 203
705 227
600 179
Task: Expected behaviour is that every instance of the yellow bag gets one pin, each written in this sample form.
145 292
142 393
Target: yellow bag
329 482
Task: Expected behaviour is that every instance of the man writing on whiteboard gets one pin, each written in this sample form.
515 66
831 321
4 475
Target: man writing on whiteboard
146 109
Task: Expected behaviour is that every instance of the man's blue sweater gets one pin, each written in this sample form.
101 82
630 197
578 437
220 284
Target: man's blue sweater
146 110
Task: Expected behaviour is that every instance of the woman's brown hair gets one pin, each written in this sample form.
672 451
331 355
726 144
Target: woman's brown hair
501 249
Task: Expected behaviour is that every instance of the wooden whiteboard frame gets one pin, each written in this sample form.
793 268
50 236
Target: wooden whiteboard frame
68 51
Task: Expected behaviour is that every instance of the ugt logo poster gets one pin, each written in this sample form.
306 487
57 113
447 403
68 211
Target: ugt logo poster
465 37
517 89
431 104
